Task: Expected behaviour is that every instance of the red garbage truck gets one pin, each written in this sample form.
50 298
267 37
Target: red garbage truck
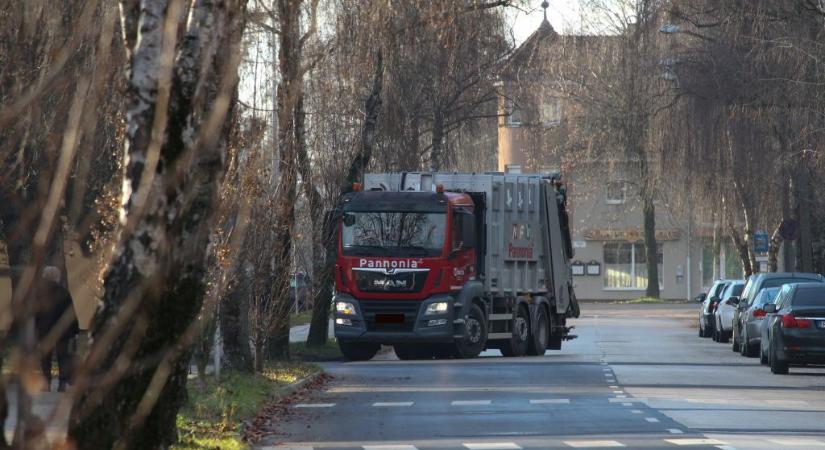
452 264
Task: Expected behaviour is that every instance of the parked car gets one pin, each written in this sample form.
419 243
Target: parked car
709 302
750 321
754 285
724 311
795 333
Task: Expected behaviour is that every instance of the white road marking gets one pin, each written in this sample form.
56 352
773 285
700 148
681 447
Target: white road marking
390 447
614 387
675 431
636 411
592 444
687 441
492 446
314 405
618 392
652 419
637 399
791 442
541 401
726 447
391 404
621 396
786 402
471 402
627 404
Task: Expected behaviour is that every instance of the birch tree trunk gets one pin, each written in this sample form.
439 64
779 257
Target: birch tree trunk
179 95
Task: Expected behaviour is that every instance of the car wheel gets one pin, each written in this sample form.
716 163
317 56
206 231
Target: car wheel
724 336
358 351
735 346
778 367
475 334
541 333
517 345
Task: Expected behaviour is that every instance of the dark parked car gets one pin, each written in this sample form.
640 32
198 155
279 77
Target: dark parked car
751 320
709 303
755 284
795 334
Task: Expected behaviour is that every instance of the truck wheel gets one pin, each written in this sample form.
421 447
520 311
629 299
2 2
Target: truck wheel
407 352
541 333
358 351
517 345
475 335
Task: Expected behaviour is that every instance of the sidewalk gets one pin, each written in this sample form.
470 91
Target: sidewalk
299 333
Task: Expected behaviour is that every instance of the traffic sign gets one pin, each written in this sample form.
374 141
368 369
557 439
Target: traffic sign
761 242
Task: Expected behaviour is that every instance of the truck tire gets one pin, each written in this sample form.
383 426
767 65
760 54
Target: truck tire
517 345
475 335
358 351
541 333
406 352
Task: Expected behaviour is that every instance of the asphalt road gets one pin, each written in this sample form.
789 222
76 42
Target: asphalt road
638 376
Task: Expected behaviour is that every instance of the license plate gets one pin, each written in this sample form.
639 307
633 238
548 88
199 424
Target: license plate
820 324
389 318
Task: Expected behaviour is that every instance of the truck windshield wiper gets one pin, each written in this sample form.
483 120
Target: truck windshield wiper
370 249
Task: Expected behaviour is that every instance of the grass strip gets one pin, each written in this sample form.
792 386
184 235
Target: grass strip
211 419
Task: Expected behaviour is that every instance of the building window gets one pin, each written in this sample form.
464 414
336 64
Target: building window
515 116
625 265
616 193
551 112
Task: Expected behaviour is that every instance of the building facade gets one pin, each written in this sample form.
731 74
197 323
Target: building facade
537 129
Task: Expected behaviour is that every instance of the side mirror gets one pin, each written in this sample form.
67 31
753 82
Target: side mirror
733 300
769 308
714 299
700 298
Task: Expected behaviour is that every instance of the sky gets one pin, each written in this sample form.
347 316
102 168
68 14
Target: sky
562 14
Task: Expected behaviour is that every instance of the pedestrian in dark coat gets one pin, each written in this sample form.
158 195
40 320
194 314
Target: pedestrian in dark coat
53 303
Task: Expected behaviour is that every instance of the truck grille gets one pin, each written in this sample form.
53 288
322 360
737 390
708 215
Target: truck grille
400 281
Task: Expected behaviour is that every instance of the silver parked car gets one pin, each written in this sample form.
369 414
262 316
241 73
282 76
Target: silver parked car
709 302
724 311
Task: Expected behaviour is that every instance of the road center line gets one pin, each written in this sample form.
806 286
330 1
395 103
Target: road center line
492 446
652 419
549 400
314 405
392 404
593 444
471 402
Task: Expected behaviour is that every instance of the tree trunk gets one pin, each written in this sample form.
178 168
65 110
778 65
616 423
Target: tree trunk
742 249
234 322
437 145
154 289
717 252
289 94
651 250
803 212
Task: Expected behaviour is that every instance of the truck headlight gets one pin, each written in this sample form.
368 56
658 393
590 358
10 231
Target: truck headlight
437 308
345 308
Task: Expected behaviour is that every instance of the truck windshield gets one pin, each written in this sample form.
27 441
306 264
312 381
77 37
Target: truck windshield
382 233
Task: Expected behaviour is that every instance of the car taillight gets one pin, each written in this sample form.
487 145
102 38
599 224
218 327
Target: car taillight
789 321
759 313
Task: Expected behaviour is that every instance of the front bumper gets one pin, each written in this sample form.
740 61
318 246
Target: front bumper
367 325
